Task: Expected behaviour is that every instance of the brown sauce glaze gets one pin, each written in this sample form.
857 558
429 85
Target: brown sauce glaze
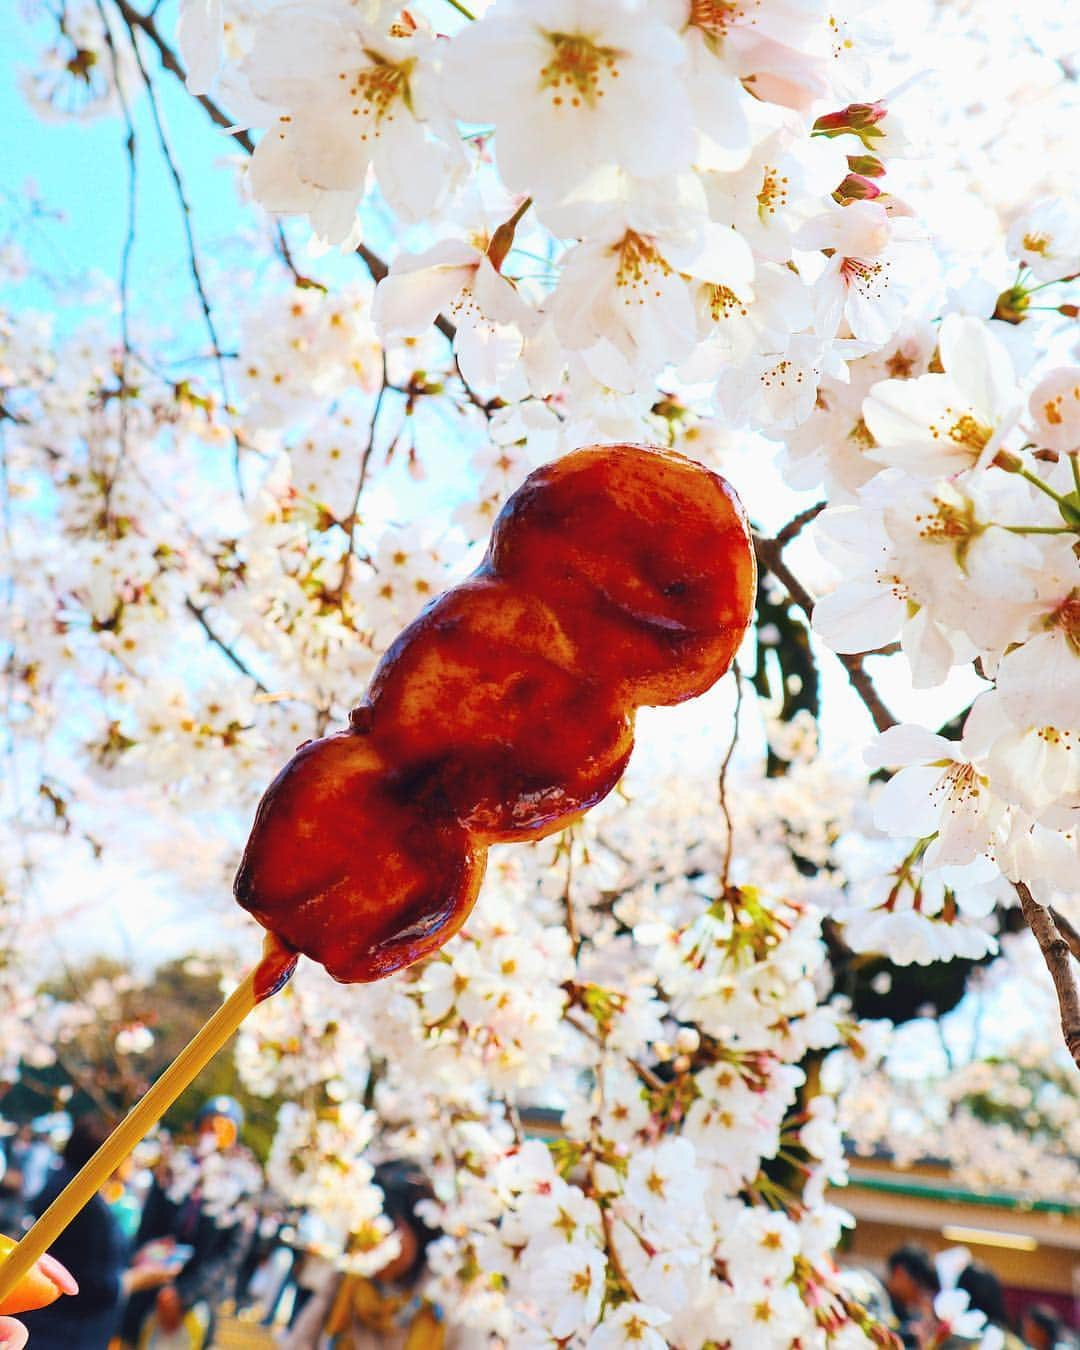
616 576
488 690
353 874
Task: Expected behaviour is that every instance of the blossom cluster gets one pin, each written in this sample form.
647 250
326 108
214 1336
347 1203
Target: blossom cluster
583 249
697 224
955 532
680 1078
1004 1124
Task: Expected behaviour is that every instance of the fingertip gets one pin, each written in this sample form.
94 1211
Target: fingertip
13 1335
59 1274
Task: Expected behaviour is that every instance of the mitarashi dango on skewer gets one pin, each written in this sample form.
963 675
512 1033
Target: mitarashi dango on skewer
616 577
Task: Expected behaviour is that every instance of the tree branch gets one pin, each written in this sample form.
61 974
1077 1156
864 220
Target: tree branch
770 557
365 463
796 524
1067 931
134 18
198 613
125 257
1057 955
725 809
193 257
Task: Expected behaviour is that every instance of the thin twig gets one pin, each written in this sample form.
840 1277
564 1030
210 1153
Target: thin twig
365 462
198 613
617 1266
797 524
646 1074
769 555
722 784
650 1079
1058 957
599 1197
125 257
285 253
568 903
193 257
134 18
1067 931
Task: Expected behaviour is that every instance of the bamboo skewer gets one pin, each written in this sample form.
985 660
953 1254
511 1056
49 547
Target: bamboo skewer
259 983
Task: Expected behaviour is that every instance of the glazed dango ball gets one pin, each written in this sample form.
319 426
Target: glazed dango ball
616 577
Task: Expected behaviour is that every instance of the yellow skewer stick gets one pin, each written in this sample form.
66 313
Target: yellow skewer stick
142 1117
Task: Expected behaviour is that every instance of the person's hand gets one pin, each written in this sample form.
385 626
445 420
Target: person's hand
13 1335
43 1283
145 1277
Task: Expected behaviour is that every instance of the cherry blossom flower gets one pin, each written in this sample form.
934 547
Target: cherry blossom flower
939 791
570 1284
782 185
624 301
562 82
632 1326
663 1185
955 1317
871 610
1055 407
832 444
350 98
776 390
1046 238
1043 857
940 424
778 49
200 37
1037 767
917 915
875 265
718 100
1038 681
738 320
766 1317
761 1247
490 316
954 539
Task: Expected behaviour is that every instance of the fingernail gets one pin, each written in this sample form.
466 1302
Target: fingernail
60 1275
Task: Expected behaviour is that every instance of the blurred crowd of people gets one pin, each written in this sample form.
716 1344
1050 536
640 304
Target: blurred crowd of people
154 1250
175 1239
946 1303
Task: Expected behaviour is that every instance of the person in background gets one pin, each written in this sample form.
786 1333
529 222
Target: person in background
985 1295
124 1205
203 1199
170 1326
93 1249
29 1159
912 1283
1040 1327
36 1165
11 1202
386 1312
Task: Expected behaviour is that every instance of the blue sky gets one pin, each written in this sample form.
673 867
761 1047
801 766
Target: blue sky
80 168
